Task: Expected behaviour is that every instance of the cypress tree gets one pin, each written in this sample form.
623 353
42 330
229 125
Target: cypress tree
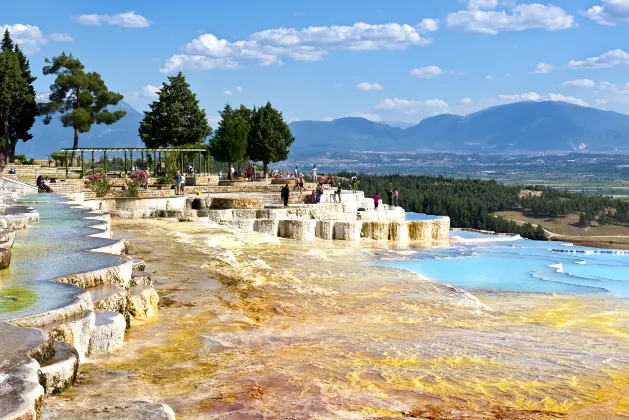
22 121
14 93
7 42
270 137
230 142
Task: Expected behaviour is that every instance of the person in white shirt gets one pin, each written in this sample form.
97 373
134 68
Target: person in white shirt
232 173
314 173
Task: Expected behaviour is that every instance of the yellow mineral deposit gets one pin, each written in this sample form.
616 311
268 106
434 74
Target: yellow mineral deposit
285 329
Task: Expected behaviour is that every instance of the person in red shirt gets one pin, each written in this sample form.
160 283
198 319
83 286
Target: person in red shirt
376 200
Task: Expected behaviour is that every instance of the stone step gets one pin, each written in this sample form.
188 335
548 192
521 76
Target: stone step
5 258
143 302
61 370
108 332
109 297
21 395
75 330
139 265
141 278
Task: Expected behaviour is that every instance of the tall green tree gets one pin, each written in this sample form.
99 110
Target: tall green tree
230 142
14 93
175 118
7 42
21 123
270 137
80 98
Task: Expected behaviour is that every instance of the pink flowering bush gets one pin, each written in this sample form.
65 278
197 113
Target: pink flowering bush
99 183
138 179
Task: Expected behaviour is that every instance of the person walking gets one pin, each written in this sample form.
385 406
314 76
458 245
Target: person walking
285 194
296 172
177 183
396 196
376 201
313 172
339 191
232 173
354 184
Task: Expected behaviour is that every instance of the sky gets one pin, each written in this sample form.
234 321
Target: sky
395 60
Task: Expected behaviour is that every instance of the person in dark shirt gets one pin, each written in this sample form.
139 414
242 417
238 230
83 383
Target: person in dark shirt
390 196
285 194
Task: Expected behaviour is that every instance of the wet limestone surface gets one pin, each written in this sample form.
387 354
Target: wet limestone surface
259 327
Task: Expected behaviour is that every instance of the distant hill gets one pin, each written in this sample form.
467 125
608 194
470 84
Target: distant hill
343 134
518 127
53 137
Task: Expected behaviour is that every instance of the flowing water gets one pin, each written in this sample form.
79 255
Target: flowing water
55 247
259 327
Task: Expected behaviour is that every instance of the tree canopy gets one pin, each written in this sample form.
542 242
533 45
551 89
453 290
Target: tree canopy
81 98
18 108
270 137
175 118
230 142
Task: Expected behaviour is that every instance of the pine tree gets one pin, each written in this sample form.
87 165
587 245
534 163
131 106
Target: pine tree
175 118
270 137
230 142
81 98
7 42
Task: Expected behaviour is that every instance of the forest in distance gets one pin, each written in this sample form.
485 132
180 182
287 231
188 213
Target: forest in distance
470 202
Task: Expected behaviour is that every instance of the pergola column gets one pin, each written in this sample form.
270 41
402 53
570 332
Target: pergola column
66 165
93 165
82 164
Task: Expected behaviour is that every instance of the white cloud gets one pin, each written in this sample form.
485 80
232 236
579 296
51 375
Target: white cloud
465 101
366 86
611 13
536 97
579 83
310 44
489 77
64 37
428 25
409 106
238 89
426 72
482 4
42 97
150 91
228 92
28 37
126 20
610 59
367 116
543 68
521 17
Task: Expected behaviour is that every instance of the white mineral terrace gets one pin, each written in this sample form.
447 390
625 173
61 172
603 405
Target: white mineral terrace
352 219
44 342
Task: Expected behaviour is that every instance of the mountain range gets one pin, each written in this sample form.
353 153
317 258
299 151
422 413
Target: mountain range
526 127
519 127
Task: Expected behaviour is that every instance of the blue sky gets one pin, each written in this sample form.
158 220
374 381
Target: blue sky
396 60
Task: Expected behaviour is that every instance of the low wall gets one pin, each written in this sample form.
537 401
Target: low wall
237 203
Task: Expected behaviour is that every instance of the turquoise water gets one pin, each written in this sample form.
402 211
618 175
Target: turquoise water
478 261
55 247
419 216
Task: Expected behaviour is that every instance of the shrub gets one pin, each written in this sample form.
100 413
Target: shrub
99 183
137 179
164 180
20 158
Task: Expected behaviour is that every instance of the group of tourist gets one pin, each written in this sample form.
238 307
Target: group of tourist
43 184
392 195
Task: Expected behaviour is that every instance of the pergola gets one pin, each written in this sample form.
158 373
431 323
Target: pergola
142 150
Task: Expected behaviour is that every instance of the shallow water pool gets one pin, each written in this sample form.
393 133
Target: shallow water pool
55 247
